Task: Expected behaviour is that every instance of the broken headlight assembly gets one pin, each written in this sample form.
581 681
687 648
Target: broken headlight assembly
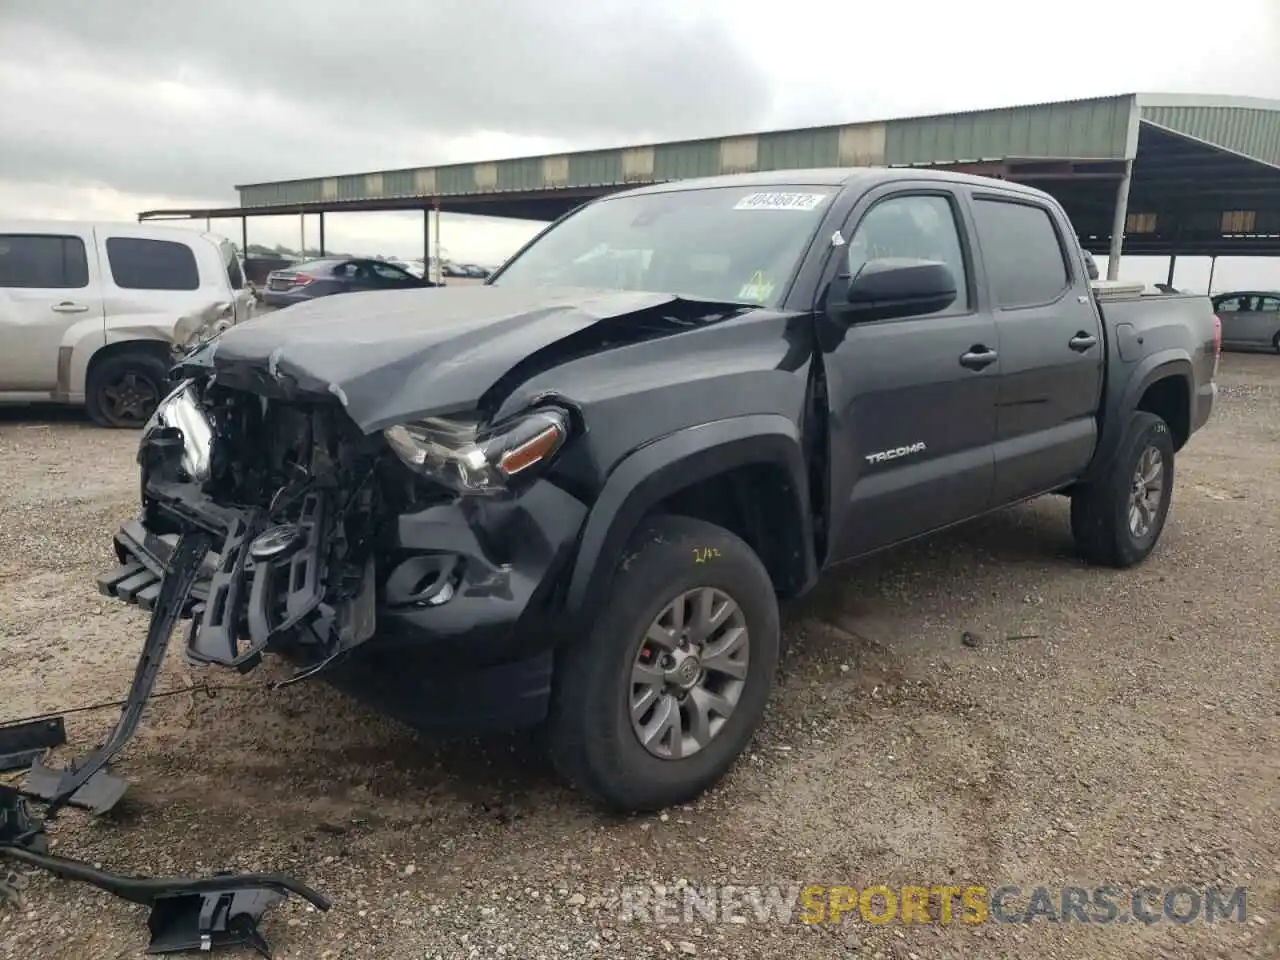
180 414
465 458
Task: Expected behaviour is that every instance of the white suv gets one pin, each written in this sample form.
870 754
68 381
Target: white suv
92 312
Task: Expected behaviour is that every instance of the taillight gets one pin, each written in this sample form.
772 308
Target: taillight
300 279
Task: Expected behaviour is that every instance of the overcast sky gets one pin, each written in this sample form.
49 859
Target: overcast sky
105 113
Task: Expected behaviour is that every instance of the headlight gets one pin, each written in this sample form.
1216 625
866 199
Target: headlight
460 456
179 409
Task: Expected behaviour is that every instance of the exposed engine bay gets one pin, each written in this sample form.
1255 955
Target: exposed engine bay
295 497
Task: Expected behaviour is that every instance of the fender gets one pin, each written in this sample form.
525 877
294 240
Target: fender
1158 366
79 343
656 471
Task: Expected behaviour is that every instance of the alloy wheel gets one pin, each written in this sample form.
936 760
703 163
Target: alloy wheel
1146 492
688 673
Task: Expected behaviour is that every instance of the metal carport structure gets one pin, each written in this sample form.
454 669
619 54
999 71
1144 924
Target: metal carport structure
1146 174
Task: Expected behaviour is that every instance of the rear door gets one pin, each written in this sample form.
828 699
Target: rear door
912 400
353 276
1051 349
150 282
1236 313
49 284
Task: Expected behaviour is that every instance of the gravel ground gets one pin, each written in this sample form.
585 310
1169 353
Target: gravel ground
1095 727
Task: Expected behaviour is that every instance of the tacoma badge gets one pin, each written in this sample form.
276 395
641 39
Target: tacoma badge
896 452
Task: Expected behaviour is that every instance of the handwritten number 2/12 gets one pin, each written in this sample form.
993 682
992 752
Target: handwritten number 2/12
705 554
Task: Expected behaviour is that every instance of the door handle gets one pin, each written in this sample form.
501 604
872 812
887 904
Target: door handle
979 357
1082 341
68 307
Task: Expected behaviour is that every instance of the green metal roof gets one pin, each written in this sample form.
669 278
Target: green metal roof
1243 125
1096 129
1081 129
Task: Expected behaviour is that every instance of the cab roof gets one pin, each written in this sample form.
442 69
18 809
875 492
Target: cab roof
864 177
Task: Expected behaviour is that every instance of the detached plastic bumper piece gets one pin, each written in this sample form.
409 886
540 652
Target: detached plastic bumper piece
203 921
86 783
187 913
22 744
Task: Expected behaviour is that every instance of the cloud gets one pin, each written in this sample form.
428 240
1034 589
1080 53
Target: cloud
155 103
195 97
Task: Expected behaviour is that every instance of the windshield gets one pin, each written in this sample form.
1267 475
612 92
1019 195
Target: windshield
724 243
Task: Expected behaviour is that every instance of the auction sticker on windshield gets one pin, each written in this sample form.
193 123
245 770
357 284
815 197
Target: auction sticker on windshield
780 201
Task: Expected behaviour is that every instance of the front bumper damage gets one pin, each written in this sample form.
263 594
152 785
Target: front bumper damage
437 611
445 625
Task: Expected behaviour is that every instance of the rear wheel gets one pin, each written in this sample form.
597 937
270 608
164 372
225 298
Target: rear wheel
124 388
1117 520
1275 343
656 702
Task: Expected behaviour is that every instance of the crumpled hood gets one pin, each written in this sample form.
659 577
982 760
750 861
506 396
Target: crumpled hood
397 355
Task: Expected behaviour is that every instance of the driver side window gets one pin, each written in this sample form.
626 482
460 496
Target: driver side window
915 227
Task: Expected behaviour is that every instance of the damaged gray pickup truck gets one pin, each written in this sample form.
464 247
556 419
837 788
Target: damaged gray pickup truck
576 494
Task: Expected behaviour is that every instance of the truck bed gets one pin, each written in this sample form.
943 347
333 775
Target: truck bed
1149 332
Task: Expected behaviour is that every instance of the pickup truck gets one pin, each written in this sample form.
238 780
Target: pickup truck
575 496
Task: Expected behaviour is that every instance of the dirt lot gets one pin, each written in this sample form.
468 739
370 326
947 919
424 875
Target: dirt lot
1100 727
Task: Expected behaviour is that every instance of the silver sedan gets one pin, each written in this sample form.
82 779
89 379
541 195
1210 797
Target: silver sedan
1250 319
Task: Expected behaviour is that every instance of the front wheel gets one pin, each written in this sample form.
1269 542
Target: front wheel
1117 520
656 702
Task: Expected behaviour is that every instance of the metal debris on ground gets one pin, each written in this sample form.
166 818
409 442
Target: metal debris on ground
21 744
187 913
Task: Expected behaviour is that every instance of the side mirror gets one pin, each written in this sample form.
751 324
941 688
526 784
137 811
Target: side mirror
1091 265
889 288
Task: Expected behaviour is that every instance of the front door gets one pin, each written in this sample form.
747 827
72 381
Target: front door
48 284
912 400
385 276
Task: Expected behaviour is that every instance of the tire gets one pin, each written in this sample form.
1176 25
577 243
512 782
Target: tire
1275 343
591 736
1100 512
139 379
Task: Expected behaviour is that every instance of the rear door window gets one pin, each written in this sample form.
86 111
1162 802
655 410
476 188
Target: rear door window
138 264
1023 251
43 262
